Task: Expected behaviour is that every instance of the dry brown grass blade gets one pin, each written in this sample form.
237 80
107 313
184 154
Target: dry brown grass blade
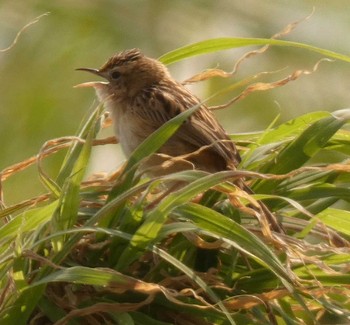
41 259
14 42
32 202
130 285
198 241
284 32
263 86
104 308
249 301
50 147
210 73
9 171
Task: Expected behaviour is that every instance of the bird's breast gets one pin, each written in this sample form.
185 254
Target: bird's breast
129 128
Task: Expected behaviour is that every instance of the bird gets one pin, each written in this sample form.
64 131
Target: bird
141 95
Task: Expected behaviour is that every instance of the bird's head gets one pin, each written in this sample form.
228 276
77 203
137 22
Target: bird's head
126 74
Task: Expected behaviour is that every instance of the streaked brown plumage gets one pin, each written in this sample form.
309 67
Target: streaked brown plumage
141 95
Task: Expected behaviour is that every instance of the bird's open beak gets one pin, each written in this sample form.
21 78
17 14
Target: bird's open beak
94 71
94 84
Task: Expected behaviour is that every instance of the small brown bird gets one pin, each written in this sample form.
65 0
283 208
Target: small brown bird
141 95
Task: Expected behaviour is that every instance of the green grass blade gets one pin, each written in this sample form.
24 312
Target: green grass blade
300 150
219 44
336 219
27 221
314 192
89 276
306 145
148 231
292 128
74 151
19 312
67 212
64 218
186 270
237 236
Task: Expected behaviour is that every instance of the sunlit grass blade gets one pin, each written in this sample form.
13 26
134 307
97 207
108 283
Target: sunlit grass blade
340 142
291 128
67 212
301 149
27 221
336 219
306 145
74 151
91 276
219 44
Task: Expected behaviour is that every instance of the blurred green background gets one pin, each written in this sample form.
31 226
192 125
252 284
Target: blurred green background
38 103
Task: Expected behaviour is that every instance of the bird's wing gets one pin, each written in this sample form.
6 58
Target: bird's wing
201 129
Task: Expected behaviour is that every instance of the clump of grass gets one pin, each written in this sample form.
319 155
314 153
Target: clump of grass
117 249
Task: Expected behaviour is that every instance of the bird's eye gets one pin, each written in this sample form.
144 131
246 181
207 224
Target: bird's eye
115 75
